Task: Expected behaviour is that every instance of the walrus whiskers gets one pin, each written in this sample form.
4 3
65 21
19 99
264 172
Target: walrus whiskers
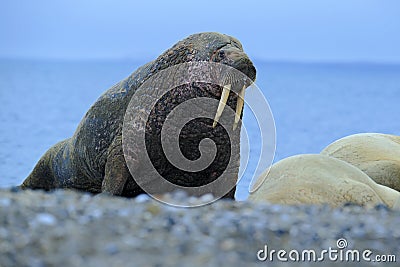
222 103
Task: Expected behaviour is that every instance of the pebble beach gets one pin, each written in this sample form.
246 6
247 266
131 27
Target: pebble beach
67 228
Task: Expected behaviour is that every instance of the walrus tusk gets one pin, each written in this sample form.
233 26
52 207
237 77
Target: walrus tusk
222 103
239 107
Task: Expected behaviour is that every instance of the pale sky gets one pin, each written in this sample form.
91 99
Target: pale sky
294 30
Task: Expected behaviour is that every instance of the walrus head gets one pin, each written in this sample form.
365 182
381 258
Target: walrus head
213 47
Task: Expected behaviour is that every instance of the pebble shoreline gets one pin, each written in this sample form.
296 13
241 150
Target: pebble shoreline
67 228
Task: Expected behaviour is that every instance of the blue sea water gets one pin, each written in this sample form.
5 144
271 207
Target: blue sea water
313 105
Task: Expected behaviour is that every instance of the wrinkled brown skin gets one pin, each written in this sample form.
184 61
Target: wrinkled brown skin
92 159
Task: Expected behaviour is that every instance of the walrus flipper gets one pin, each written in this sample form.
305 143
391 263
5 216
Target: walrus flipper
116 172
43 176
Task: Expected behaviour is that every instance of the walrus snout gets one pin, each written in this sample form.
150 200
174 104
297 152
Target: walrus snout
237 59
246 66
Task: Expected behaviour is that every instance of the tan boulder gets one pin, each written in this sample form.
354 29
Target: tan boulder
378 155
319 179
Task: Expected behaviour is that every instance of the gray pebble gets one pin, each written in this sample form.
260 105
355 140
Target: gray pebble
45 218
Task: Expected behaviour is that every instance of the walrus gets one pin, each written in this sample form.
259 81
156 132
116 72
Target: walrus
320 179
92 159
378 155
